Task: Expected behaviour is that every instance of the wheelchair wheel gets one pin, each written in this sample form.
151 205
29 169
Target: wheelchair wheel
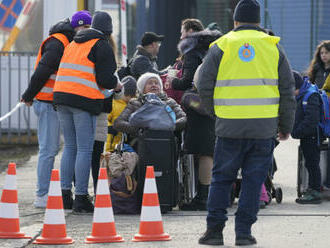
278 195
165 209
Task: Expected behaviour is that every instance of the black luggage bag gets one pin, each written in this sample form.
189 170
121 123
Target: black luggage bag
159 149
302 173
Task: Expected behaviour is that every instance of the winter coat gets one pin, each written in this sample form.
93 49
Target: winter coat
101 128
320 74
51 55
306 122
114 137
193 48
143 62
102 56
199 133
122 124
232 128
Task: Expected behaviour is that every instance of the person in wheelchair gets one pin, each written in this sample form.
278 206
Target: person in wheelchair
155 131
148 83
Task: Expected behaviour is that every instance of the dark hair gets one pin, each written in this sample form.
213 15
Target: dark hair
194 24
312 69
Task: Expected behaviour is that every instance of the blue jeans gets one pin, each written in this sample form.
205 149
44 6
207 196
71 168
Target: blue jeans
254 157
49 141
78 129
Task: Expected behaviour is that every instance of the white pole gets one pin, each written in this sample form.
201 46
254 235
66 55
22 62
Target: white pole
123 32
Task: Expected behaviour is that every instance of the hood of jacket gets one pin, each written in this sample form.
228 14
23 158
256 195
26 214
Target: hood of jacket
302 91
63 27
140 50
88 34
199 40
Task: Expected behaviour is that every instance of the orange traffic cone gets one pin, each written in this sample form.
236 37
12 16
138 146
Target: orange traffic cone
151 224
103 230
9 217
54 229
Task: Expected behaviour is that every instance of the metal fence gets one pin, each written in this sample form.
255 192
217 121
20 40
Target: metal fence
15 71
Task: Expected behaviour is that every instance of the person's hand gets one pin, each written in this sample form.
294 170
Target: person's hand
29 104
168 83
283 136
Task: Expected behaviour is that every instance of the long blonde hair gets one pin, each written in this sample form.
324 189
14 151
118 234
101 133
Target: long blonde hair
113 45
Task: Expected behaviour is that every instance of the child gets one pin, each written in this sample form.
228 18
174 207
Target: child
307 130
118 105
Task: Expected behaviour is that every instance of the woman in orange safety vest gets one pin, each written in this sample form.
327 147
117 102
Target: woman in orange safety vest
86 69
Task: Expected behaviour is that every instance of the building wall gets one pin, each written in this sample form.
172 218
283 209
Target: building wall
55 11
164 17
300 24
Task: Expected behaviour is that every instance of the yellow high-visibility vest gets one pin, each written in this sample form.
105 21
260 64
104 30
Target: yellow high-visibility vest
247 80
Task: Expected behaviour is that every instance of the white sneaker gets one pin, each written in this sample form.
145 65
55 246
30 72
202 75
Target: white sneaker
41 201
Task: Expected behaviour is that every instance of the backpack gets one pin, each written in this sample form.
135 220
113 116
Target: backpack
154 114
124 71
325 109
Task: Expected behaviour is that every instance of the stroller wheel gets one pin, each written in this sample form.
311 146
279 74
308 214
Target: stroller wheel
269 197
278 195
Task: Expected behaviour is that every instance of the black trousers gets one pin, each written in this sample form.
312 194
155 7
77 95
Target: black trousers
96 155
311 152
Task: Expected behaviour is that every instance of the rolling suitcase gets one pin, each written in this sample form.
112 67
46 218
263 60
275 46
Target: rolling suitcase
302 173
158 148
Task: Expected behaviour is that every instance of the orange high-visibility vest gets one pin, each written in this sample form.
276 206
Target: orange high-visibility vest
46 93
76 73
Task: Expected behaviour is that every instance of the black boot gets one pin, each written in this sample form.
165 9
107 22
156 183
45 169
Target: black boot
212 236
245 240
82 204
200 201
67 199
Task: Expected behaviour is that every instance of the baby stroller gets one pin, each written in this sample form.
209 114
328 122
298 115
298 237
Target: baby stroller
272 191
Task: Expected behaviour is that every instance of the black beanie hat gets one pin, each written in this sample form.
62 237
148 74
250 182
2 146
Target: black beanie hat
298 79
102 21
129 86
247 11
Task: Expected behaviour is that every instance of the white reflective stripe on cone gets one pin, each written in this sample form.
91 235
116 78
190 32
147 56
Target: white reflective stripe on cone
55 188
8 210
10 182
103 215
54 216
151 214
150 186
102 187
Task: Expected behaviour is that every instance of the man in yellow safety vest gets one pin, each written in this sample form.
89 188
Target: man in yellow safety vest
247 83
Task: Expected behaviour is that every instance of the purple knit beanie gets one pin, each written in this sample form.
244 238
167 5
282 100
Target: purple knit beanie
81 18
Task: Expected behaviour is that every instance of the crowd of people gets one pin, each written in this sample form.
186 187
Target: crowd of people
231 107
